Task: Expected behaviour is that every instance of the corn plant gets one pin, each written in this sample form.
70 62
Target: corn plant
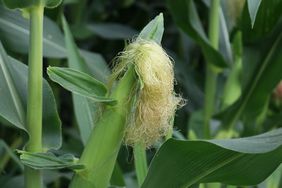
148 118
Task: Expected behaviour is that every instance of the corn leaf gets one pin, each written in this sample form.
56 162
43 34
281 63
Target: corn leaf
48 160
259 18
84 109
14 31
242 161
262 80
185 15
80 83
13 84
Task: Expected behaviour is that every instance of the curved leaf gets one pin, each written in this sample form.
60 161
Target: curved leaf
41 161
185 163
14 31
80 83
185 15
12 108
84 109
262 81
14 83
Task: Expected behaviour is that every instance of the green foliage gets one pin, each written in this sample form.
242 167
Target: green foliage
15 34
185 15
258 88
84 109
267 17
226 161
41 161
14 83
237 81
80 83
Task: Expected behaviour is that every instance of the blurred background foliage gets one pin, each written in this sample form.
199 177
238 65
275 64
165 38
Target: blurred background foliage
248 93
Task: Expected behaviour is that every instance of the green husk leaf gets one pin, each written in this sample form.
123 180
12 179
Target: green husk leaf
154 29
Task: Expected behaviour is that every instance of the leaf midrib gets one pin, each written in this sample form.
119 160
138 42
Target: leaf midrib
255 82
14 95
205 173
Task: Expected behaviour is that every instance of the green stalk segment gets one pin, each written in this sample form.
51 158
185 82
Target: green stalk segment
33 177
211 74
140 161
100 153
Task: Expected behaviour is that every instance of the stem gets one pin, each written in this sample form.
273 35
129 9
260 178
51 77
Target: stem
140 161
33 177
101 150
211 75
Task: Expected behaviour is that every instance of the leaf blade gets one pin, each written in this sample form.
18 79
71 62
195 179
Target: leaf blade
226 161
80 83
41 161
185 15
18 73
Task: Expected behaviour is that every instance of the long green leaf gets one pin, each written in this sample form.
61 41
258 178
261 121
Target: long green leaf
49 160
14 33
185 15
262 81
243 161
12 108
80 83
84 109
